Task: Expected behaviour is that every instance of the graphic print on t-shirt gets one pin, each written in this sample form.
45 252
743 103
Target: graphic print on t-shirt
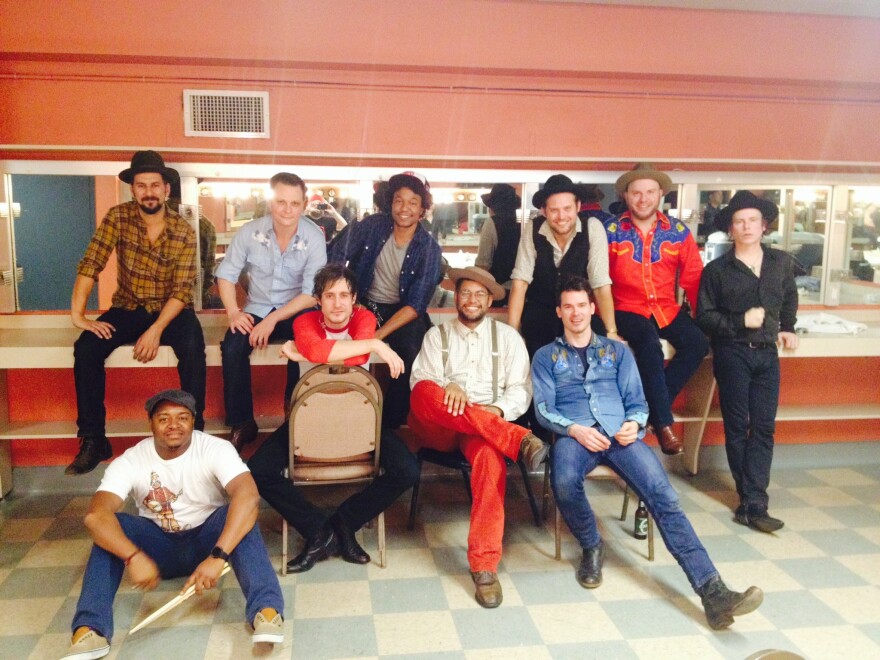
159 500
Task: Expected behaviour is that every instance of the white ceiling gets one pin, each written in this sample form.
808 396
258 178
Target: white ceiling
867 8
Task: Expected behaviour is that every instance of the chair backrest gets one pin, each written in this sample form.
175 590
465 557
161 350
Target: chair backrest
337 373
334 432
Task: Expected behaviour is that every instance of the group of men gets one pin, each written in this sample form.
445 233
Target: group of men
470 380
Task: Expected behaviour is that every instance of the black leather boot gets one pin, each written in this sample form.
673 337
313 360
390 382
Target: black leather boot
721 604
349 549
589 573
318 548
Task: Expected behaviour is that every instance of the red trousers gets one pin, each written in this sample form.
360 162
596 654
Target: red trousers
484 439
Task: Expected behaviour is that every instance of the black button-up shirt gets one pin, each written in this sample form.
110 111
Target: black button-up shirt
729 288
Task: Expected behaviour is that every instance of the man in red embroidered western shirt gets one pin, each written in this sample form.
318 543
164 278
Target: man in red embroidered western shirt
648 251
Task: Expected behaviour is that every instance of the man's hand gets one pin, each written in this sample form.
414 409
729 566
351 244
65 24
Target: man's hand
240 321
456 399
143 572
205 576
288 350
789 340
754 318
101 328
392 359
260 334
146 348
589 437
494 410
628 433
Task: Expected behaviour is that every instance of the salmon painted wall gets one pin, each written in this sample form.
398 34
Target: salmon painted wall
478 79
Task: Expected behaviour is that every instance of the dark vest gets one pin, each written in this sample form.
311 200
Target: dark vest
547 277
508 230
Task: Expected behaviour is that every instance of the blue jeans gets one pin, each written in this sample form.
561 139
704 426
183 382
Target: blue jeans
235 351
748 390
640 468
663 385
176 555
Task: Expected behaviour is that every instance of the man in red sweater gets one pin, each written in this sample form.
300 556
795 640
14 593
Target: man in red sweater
339 332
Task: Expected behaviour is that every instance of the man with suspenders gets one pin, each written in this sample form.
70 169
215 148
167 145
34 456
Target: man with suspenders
469 383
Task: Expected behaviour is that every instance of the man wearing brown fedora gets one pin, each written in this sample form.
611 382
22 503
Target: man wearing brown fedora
469 382
152 304
499 238
558 243
649 253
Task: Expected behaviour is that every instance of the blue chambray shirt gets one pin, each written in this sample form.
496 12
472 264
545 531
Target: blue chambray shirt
421 265
608 393
275 278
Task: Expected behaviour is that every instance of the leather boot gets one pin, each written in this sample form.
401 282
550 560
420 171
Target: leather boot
349 549
318 548
488 593
721 604
533 451
670 443
589 573
243 434
91 452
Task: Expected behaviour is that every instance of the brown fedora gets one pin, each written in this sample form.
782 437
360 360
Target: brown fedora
480 276
643 171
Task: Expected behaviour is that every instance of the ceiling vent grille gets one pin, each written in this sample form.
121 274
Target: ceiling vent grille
211 113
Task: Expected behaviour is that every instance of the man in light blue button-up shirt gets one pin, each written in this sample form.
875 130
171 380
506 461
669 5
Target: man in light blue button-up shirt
587 390
280 253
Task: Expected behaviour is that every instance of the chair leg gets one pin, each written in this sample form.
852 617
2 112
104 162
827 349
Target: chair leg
530 493
466 475
380 534
625 502
557 532
414 501
650 538
545 509
283 546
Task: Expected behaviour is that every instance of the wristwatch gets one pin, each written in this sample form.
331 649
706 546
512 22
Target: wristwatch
217 553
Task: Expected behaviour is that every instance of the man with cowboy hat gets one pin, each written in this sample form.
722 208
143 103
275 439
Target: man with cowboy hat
152 305
397 266
557 244
470 382
748 304
648 254
499 238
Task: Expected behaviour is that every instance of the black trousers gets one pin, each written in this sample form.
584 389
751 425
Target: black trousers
400 469
183 334
748 389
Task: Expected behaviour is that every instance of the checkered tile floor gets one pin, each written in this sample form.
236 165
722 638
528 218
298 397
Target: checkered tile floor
820 576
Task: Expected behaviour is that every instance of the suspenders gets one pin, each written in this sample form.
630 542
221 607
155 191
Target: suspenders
444 350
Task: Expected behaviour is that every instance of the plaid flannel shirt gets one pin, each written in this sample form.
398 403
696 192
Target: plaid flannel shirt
148 274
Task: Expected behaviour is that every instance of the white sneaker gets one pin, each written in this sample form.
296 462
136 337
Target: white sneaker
266 631
89 646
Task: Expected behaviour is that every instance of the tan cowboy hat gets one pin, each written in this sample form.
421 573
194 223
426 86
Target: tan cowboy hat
480 276
643 171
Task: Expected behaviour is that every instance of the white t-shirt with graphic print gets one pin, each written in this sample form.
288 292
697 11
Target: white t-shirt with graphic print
181 493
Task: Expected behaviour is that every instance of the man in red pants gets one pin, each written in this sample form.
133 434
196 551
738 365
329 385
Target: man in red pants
469 379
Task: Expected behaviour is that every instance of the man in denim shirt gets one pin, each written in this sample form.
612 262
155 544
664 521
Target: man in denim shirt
587 391
280 253
397 265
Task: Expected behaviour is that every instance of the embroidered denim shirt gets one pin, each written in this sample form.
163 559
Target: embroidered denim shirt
607 391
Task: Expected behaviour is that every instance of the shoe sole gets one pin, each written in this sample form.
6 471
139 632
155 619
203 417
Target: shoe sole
752 601
537 459
268 638
586 585
766 529
94 654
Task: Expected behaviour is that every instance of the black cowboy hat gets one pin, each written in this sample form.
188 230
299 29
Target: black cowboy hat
558 183
502 197
147 161
745 199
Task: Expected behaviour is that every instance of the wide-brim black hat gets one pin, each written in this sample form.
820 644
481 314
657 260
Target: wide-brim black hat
745 199
558 183
502 197
147 161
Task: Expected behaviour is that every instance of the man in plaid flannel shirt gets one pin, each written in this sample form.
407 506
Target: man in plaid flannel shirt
152 305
